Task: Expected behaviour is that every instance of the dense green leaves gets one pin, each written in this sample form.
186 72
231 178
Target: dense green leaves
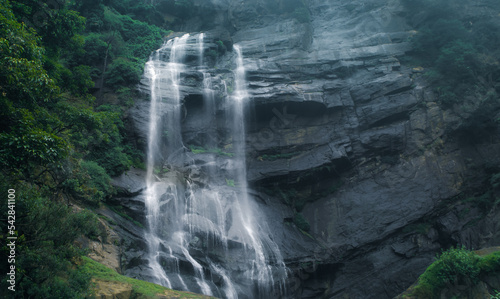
123 72
454 267
457 59
459 52
116 47
22 76
55 146
30 147
45 232
59 145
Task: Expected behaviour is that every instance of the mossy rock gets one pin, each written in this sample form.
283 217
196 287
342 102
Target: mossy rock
474 279
111 289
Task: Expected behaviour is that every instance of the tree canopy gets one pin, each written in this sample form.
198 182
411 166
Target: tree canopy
67 75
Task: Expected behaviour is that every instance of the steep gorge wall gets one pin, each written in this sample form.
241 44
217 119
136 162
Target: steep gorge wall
345 140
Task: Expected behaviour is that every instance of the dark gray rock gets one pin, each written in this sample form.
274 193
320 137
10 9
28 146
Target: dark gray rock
331 93
130 183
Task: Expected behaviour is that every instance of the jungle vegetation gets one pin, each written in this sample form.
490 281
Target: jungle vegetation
68 74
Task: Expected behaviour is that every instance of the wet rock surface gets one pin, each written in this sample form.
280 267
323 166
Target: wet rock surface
373 161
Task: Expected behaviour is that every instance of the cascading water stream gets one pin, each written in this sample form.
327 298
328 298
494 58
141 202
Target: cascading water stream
160 72
261 270
200 225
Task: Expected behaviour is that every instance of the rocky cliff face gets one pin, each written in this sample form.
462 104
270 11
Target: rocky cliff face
355 164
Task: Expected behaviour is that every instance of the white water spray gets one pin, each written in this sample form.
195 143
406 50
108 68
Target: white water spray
198 231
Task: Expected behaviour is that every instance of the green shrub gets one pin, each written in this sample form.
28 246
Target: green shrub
99 178
201 150
123 72
457 60
81 80
454 265
490 263
221 48
114 160
45 248
458 263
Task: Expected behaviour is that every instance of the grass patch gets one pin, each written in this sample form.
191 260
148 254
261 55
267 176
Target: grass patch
201 150
119 210
140 288
230 183
456 265
107 219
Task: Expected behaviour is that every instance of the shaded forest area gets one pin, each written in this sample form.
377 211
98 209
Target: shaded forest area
68 75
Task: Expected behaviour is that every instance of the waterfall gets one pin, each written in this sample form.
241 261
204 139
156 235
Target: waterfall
203 233
164 83
260 270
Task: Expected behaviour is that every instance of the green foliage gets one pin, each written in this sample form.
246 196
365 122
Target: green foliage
458 264
56 146
25 148
457 59
230 183
123 72
458 52
453 265
56 24
96 134
95 47
99 179
197 149
22 77
129 37
28 129
201 150
490 263
221 48
140 288
46 232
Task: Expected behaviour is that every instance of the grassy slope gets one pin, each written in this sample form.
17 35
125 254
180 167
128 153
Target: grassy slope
140 289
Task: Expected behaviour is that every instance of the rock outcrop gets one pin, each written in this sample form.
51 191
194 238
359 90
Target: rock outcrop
343 134
112 289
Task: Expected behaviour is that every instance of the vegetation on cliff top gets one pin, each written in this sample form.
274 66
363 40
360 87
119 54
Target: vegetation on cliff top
456 270
460 49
